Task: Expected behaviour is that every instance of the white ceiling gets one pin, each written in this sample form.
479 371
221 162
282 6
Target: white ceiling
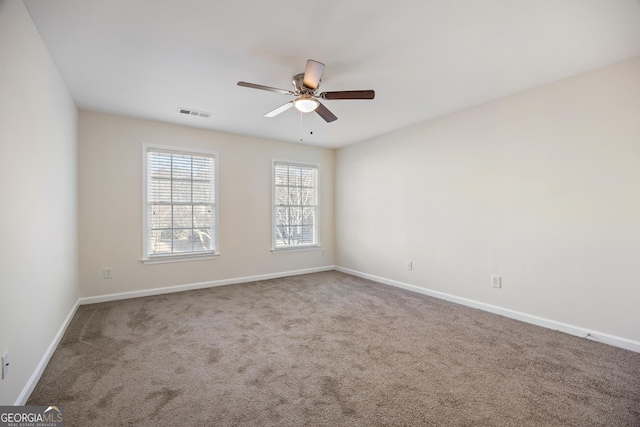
424 59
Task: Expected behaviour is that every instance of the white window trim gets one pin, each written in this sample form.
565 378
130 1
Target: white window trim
181 257
297 248
164 259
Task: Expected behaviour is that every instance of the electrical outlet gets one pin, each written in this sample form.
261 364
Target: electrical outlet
409 265
5 365
106 273
496 281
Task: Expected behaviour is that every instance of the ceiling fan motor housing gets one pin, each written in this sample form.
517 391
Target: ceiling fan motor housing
298 84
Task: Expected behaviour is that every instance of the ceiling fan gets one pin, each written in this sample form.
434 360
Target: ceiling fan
306 92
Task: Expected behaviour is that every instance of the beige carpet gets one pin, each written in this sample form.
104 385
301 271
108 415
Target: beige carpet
328 349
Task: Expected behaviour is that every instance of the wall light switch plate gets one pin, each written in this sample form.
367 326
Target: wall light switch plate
496 281
5 365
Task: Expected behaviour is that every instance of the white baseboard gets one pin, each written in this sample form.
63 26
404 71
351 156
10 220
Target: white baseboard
612 340
202 285
35 377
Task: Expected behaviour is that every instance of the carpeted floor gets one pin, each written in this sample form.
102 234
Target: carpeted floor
328 349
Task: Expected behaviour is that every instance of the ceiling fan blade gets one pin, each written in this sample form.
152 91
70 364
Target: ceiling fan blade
269 88
324 112
349 94
313 74
280 109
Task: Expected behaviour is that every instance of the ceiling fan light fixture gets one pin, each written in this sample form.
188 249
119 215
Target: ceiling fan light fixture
306 104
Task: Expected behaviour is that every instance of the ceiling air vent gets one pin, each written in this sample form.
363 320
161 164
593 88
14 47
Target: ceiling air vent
190 112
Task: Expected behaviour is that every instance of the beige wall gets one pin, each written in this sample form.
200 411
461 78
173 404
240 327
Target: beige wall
38 249
110 205
542 188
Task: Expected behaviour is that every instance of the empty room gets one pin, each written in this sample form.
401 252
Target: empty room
339 213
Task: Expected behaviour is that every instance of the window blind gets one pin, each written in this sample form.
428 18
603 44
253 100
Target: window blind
295 205
180 203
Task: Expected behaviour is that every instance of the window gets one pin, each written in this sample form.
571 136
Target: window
295 205
180 207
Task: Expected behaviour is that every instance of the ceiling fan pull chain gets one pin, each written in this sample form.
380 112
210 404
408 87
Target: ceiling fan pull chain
300 126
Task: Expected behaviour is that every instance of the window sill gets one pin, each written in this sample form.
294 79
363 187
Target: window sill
296 249
164 259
